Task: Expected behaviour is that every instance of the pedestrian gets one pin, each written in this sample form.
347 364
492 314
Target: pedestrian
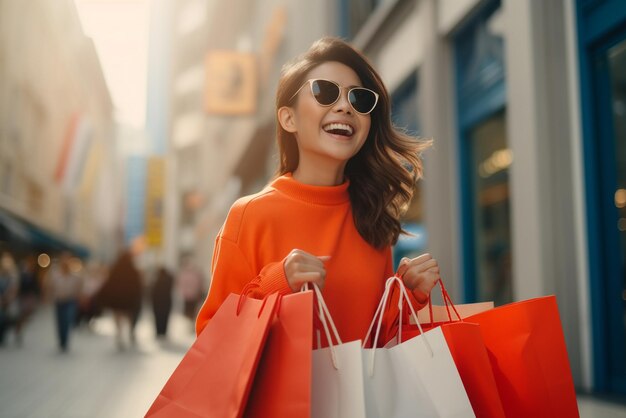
93 278
161 295
29 292
63 288
122 293
332 213
9 289
190 285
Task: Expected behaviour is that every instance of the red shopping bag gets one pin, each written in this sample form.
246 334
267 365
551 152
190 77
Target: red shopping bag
213 379
432 316
282 385
467 348
472 361
529 359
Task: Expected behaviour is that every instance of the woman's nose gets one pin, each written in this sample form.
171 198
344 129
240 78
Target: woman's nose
343 104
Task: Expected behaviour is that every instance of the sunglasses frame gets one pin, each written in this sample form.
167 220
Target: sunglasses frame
312 80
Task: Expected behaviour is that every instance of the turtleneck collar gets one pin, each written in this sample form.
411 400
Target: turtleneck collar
321 195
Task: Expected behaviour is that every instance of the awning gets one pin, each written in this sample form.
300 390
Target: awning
23 234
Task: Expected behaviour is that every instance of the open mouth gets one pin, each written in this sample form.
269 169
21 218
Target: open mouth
339 129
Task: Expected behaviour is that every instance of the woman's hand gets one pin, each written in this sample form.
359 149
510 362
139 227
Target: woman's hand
420 274
302 267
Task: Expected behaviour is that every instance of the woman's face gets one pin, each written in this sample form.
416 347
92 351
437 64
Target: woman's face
329 134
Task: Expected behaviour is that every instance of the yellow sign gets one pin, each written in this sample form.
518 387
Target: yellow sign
155 178
231 83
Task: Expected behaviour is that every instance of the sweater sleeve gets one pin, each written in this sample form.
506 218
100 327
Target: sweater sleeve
231 272
271 279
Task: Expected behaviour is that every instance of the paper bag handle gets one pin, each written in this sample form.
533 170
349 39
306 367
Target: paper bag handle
325 318
445 296
380 311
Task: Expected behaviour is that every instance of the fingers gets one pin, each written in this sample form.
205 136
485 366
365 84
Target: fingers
403 266
419 274
421 263
302 267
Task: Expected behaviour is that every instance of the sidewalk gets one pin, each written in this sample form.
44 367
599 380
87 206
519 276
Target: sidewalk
96 380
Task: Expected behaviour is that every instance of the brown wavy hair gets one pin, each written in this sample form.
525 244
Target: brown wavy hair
384 171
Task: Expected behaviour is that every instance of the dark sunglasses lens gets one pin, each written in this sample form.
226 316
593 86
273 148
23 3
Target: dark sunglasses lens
362 100
325 92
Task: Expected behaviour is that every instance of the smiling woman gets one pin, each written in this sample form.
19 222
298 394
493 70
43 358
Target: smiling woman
332 213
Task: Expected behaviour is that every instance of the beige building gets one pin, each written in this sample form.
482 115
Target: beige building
56 132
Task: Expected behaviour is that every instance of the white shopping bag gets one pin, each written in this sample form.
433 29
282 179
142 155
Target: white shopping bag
394 390
337 384
415 378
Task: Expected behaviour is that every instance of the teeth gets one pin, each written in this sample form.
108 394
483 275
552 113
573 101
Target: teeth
338 126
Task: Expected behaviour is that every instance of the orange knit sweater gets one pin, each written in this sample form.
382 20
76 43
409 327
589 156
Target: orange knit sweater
263 228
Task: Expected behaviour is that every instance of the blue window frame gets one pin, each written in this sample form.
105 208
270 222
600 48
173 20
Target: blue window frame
353 14
405 114
404 105
481 103
601 32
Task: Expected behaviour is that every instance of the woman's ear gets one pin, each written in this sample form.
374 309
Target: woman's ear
286 119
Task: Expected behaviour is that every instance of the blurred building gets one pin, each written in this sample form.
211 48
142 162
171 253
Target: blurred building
226 62
57 155
525 189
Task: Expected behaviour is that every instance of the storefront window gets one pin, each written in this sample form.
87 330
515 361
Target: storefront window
485 157
491 159
617 70
405 115
354 15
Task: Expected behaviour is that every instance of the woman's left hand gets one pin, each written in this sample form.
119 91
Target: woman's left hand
420 274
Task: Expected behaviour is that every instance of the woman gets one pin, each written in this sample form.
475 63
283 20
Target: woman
332 213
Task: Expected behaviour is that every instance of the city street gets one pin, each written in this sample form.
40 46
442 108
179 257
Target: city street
96 380
93 379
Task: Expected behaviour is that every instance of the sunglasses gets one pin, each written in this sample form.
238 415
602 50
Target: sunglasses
327 93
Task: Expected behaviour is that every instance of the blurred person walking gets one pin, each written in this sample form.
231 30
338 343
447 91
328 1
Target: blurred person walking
190 283
9 288
63 287
29 292
122 292
93 279
161 295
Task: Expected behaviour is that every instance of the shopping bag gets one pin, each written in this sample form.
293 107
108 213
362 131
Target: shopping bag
470 355
529 359
467 348
282 385
213 379
415 378
432 316
337 381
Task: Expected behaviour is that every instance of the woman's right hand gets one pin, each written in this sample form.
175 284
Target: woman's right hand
302 267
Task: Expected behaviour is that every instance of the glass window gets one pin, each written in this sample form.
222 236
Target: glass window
617 69
404 113
490 161
355 14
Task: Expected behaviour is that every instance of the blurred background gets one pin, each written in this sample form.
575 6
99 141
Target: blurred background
128 128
